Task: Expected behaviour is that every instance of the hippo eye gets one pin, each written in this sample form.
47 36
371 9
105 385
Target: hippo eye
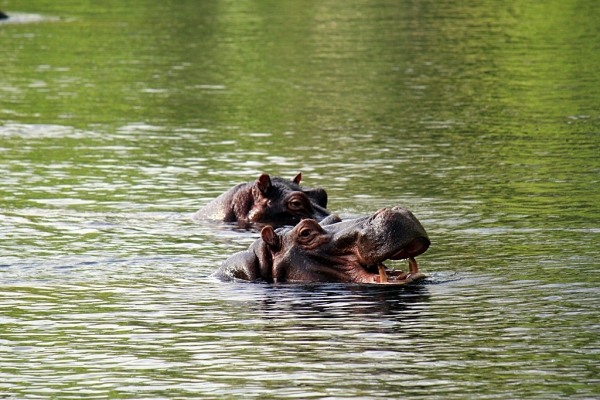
310 235
305 232
295 204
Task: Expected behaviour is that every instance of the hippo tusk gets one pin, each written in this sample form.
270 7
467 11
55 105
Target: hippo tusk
400 276
412 265
382 274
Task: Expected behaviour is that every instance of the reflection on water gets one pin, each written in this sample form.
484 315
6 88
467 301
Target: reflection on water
120 120
130 336
339 301
22 18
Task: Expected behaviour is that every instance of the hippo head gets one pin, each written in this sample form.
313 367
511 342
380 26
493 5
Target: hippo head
273 201
277 200
334 251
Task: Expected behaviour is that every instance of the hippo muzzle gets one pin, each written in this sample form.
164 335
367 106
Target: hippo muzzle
334 251
389 234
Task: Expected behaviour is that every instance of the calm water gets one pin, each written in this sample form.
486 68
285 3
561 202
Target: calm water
118 121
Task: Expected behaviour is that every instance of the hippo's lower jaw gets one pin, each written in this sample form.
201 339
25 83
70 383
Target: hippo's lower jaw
398 277
384 275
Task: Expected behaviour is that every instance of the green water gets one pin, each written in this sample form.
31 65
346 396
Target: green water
119 120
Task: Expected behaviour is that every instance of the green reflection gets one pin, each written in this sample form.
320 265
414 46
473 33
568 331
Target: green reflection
301 65
121 118
453 100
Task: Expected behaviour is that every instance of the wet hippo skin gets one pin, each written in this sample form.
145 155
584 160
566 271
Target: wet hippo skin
333 251
267 200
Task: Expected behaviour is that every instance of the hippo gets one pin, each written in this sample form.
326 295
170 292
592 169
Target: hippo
274 201
350 251
3 16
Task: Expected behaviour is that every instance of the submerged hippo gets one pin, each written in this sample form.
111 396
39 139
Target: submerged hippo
267 200
333 251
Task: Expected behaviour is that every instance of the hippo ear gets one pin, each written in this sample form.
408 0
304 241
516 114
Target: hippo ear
269 236
264 183
317 195
297 178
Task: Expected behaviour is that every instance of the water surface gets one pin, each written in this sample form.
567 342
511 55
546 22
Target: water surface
118 121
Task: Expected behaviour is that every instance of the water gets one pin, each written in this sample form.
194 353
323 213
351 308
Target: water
118 121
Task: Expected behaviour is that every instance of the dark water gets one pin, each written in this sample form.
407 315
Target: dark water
119 120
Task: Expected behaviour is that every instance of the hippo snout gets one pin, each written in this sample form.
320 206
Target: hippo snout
391 233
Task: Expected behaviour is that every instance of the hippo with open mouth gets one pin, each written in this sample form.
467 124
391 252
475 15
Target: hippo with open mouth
275 201
333 251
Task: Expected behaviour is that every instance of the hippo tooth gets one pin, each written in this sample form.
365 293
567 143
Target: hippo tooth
382 274
413 266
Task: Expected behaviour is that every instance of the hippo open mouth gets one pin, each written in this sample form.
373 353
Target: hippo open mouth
398 277
366 243
351 251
